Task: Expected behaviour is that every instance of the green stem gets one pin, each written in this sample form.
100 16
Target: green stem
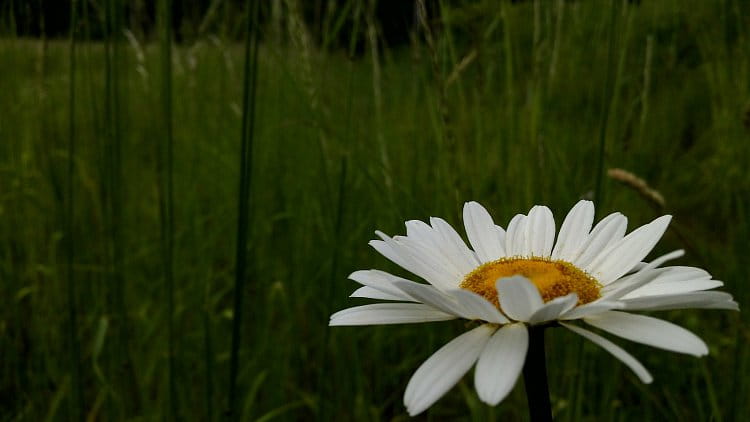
243 218
535 377
75 346
166 205
606 106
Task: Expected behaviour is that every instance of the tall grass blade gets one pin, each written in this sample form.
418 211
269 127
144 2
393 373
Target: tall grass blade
243 205
322 387
75 346
166 203
605 105
124 393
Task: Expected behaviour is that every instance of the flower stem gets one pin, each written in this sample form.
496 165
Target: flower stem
535 377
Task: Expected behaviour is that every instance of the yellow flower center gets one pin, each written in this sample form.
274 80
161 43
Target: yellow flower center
552 278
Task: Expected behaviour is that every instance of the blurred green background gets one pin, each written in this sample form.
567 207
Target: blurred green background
121 177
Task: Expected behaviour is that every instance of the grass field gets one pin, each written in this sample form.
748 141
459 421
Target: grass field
120 179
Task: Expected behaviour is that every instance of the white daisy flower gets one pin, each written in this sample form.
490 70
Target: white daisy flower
514 278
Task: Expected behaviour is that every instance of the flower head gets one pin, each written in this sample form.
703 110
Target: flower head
521 276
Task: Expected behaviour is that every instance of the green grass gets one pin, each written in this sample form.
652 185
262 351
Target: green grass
342 147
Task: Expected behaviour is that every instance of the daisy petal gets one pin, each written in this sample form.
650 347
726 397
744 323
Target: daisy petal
501 235
501 363
481 232
608 231
381 280
515 243
444 369
455 248
436 250
574 230
672 280
477 307
554 308
368 292
420 231
431 296
615 350
681 273
387 249
622 256
519 298
639 266
388 313
658 287
651 331
439 270
703 300
625 285
591 309
729 305
540 231
403 256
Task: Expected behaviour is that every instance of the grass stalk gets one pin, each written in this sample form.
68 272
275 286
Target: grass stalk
124 393
599 176
328 298
377 91
74 342
605 106
512 137
166 203
208 357
243 203
111 158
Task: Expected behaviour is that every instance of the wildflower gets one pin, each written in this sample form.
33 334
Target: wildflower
512 280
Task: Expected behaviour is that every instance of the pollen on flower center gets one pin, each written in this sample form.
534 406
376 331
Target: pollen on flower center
552 278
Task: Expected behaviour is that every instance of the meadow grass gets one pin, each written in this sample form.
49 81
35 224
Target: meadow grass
122 184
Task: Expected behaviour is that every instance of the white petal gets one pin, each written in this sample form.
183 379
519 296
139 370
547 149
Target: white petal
574 231
388 313
431 296
455 247
672 280
610 230
627 284
440 270
625 254
380 280
657 287
438 251
519 298
477 307
729 305
482 233
591 309
651 331
704 300
615 350
540 231
404 253
515 240
401 256
639 266
679 272
368 292
501 236
554 308
419 230
444 369
386 249
501 363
